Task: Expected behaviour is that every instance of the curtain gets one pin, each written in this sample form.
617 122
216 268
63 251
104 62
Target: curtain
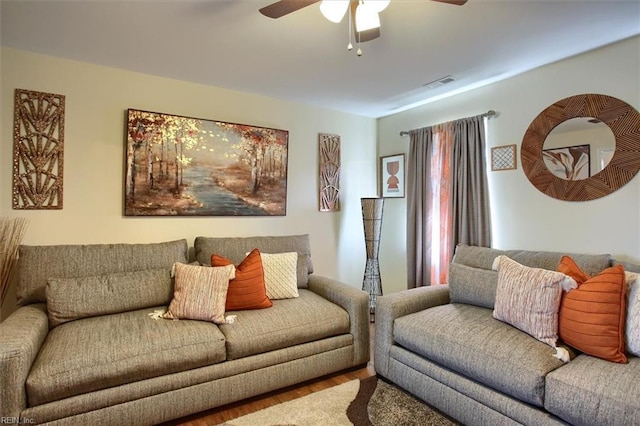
447 197
471 214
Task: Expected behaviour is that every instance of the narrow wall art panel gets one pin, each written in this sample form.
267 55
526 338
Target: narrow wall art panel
183 166
329 172
38 150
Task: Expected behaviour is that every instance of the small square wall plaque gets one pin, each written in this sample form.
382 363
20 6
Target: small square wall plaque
503 157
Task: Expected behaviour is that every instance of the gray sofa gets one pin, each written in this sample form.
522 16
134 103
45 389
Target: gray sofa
114 364
442 344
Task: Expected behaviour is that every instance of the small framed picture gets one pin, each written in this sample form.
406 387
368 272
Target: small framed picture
392 176
503 157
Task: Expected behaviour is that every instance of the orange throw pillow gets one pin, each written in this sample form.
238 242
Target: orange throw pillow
592 316
568 266
247 290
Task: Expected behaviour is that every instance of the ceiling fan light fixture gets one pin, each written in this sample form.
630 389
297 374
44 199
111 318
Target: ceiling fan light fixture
366 17
334 10
379 5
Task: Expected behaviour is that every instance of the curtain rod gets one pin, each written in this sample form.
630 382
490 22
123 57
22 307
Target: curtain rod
490 113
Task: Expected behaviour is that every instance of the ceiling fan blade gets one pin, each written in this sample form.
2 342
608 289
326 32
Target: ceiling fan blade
454 2
362 36
284 7
367 35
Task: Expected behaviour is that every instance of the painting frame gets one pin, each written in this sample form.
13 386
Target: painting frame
569 162
392 176
184 166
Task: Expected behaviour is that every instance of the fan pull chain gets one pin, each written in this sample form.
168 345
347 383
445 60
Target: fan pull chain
359 51
350 46
357 37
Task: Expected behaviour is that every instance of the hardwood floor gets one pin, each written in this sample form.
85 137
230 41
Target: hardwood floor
231 411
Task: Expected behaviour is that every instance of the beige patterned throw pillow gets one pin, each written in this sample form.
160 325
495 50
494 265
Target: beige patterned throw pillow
529 298
200 292
280 275
632 329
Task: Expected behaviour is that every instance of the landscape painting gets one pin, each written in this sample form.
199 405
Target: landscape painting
182 166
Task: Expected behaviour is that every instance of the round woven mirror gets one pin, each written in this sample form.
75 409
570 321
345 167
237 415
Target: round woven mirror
620 117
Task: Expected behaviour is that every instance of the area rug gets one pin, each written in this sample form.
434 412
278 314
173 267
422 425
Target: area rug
367 402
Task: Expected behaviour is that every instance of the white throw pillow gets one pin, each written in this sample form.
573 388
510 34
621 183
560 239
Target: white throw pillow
280 275
632 329
529 298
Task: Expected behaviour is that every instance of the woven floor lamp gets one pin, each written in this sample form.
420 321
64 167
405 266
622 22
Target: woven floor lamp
372 219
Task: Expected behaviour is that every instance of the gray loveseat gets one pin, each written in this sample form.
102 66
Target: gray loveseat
442 344
114 364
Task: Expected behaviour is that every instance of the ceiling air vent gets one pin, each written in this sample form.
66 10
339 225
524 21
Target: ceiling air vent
439 82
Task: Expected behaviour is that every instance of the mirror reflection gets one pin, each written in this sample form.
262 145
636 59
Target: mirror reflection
578 148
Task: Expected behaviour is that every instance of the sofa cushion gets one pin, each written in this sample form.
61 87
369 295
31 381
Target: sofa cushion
280 275
101 352
473 286
247 290
628 266
37 264
482 257
74 298
287 323
200 292
480 290
591 391
592 317
529 298
476 257
468 340
590 263
235 249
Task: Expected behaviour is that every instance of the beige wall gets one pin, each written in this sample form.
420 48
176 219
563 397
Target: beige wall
96 101
522 216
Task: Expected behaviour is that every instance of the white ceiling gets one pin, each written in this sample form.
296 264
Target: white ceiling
303 57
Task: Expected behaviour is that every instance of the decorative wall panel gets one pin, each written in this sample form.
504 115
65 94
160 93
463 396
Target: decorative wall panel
329 172
38 150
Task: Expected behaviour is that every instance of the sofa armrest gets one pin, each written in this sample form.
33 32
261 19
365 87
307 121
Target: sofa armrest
397 305
356 303
21 336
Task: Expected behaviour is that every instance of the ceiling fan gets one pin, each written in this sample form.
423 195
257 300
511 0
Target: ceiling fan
363 13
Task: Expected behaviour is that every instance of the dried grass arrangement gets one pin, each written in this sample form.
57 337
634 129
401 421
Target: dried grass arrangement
12 230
